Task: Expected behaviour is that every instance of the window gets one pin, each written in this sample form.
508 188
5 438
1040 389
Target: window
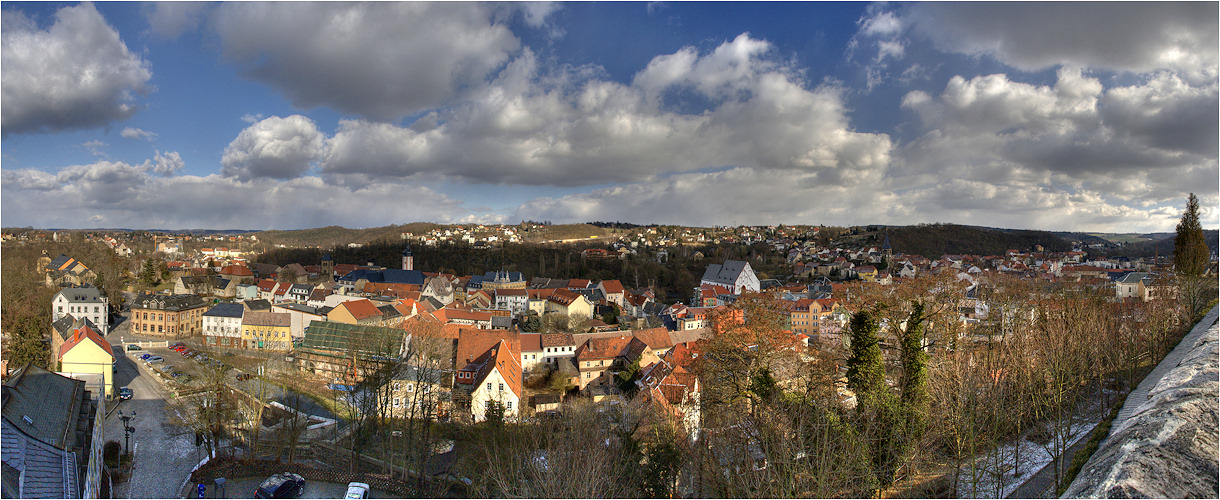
501 387
509 406
397 402
96 309
61 308
489 386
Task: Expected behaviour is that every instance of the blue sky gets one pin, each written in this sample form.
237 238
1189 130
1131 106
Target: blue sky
1062 116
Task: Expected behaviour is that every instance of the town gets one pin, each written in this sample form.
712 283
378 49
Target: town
421 382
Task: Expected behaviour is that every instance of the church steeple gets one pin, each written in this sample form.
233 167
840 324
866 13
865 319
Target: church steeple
408 259
885 247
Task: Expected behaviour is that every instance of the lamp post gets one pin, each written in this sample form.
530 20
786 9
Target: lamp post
127 430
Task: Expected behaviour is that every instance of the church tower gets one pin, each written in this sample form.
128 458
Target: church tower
408 259
328 267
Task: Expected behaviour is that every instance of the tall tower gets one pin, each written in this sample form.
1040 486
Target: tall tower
328 267
408 260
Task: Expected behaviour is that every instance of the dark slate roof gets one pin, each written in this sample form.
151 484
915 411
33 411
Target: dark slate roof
256 305
58 262
34 469
385 276
726 273
226 310
303 308
501 322
179 302
83 293
50 401
264 270
327 257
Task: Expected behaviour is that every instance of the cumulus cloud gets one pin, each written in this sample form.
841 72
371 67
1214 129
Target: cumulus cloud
75 74
166 164
1137 37
574 128
1145 143
127 195
380 60
135 133
280 148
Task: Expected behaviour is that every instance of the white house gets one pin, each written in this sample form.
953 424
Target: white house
222 325
84 301
493 376
735 275
515 300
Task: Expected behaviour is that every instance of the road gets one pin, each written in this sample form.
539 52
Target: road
244 488
164 455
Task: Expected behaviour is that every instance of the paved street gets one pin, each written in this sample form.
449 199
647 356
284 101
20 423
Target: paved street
244 488
164 456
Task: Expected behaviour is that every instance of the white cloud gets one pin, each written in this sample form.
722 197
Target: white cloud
380 60
1122 36
281 148
124 195
75 74
167 164
135 133
573 128
1146 143
94 147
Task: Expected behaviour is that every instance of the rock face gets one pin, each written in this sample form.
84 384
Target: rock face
1167 448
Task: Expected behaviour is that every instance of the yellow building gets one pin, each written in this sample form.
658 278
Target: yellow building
86 352
266 330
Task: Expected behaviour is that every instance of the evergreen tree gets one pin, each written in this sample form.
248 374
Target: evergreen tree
865 367
914 362
149 274
1190 252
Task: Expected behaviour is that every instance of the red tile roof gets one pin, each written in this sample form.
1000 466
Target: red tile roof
80 335
236 270
531 342
360 309
612 286
564 297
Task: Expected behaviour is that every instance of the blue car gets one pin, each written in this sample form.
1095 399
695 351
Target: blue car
145 356
125 393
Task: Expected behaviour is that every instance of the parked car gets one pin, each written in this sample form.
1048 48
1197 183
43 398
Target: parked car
282 485
358 491
145 356
166 368
187 352
156 359
176 374
244 376
133 347
125 393
178 344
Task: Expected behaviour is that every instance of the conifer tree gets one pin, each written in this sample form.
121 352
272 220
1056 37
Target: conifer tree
1189 248
914 363
865 367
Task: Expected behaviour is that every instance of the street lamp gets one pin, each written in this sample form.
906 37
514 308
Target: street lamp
127 430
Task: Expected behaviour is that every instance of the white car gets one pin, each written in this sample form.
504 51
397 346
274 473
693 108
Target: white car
357 491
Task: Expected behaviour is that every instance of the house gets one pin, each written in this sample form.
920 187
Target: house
671 384
532 354
557 347
61 329
421 391
65 271
569 303
440 288
300 316
477 319
598 360
51 441
299 293
266 331
84 301
612 290
170 316
494 376
236 273
87 353
357 312
512 299
735 275
222 325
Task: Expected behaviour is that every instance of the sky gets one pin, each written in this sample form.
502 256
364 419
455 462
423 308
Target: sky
1097 117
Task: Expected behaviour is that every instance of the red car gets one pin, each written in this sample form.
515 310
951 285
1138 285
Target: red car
179 348
244 376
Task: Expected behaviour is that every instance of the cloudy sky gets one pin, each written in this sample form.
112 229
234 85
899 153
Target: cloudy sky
1060 116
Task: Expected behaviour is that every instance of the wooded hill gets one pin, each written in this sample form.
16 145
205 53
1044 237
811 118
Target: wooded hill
330 236
934 240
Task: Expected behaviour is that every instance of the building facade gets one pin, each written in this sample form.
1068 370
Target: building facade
169 316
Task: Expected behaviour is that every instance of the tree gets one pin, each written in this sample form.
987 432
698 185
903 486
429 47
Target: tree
865 367
149 273
1190 253
914 367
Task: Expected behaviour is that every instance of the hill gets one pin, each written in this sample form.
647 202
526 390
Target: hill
331 236
935 240
561 232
